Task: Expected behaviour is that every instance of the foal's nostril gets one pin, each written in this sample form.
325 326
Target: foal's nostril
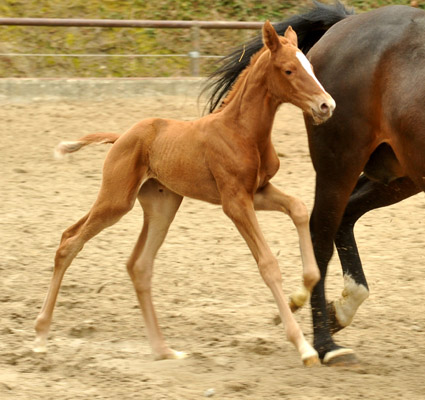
324 108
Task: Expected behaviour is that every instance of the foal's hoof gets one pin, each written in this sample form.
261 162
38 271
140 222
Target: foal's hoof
341 358
40 346
312 361
39 350
298 299
171 354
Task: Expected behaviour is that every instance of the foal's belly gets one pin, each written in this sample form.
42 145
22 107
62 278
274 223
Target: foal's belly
185 174
198 188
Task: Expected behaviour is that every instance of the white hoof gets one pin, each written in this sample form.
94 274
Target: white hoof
171 355
179 355
40 346
309 355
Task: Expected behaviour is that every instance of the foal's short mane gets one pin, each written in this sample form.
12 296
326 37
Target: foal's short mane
240 79
310 27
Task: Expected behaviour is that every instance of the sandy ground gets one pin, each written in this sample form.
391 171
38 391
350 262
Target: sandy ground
209 296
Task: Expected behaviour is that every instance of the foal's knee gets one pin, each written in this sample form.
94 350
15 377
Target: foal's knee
141 275
270 272
298 212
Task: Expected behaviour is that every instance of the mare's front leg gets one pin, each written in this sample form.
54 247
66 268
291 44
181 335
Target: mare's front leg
330 201
338 159
367 195
238 206
269 198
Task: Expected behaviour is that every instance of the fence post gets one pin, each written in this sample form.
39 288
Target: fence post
195 53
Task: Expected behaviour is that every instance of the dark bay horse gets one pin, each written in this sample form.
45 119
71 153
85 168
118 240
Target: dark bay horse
222 158
371 153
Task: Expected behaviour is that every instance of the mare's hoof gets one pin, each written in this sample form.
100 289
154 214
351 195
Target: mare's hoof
341 358
312 361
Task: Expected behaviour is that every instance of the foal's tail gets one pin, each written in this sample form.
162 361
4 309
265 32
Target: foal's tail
310 27
94 138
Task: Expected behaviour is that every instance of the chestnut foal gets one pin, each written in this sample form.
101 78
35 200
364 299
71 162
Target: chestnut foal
223 158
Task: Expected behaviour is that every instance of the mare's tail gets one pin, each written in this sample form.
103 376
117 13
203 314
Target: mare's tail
310 27
94 138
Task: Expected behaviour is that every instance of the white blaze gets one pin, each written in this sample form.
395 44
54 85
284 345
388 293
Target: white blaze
307 66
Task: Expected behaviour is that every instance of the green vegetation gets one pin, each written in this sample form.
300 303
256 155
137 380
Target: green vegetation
109 41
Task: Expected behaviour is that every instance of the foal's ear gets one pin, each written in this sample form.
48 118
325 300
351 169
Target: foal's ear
270 37
291 36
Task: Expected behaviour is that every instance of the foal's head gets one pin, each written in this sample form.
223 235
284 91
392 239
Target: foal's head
291 78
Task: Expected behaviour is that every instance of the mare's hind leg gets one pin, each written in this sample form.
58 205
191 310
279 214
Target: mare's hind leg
122 177
270 198
239 208
368 195
160 206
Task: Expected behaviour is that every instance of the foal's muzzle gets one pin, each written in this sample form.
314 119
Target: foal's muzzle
322 108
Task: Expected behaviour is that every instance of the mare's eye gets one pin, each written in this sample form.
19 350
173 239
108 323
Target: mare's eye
288 72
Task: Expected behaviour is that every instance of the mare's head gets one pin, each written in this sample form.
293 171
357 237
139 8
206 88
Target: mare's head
290 76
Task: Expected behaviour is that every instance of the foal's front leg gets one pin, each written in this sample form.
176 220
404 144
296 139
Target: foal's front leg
270 198
240 210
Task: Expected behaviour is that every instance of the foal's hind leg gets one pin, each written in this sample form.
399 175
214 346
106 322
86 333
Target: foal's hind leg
368 195
240 210
160 206
122 177
270 198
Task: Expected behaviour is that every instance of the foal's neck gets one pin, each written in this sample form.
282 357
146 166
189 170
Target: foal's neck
251 107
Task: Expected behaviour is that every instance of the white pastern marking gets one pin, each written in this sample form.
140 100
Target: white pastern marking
353 296
336 353
307 66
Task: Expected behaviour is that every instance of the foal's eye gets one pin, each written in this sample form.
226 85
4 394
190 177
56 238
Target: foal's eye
288 72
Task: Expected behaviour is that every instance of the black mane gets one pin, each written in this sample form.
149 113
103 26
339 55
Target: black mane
310 27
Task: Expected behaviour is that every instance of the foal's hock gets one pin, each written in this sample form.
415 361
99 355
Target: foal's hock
223 158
